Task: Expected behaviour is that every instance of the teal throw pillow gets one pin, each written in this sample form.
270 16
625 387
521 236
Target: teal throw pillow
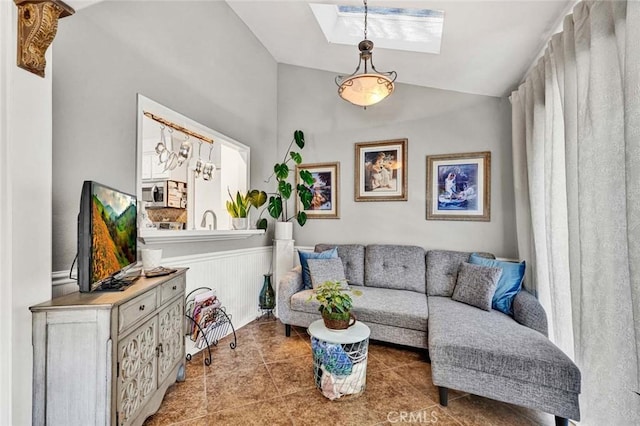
509 283
306 255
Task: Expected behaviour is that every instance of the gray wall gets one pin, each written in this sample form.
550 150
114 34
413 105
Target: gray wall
435 122
197 58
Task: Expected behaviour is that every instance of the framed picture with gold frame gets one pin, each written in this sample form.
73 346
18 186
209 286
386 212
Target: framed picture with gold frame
459 186
325 190
381 170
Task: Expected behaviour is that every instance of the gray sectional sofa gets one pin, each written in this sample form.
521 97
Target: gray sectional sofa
407 300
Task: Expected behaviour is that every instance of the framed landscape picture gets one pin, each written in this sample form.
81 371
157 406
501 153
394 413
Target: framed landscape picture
326 178
458 186
381 171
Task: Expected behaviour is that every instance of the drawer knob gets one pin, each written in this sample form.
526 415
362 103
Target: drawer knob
141 307
175 287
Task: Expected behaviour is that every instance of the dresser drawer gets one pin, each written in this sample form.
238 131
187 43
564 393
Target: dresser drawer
172 288
135 309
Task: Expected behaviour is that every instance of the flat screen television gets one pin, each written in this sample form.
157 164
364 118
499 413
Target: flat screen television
107 237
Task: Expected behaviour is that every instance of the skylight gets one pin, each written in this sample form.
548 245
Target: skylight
415 30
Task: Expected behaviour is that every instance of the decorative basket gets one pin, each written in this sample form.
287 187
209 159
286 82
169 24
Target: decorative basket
336 323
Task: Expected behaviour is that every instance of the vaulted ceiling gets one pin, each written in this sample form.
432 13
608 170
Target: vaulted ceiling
487 46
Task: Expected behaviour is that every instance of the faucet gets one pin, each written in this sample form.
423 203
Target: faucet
204 219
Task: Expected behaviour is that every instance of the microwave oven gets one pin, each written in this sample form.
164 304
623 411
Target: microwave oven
169 193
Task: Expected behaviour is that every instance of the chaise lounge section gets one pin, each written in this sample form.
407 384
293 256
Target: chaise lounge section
491 354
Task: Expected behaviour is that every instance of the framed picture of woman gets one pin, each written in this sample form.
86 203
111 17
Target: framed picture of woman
458 186
381 171
326 179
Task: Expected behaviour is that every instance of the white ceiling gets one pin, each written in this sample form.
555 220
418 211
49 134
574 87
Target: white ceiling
81 4
487 46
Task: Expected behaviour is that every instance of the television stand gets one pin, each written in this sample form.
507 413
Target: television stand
108 358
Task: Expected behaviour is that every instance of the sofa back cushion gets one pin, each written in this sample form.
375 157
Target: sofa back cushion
352 256
395 266
442 270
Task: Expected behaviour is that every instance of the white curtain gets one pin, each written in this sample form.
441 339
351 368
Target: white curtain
576 154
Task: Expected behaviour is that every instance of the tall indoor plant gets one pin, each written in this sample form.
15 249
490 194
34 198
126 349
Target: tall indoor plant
278 200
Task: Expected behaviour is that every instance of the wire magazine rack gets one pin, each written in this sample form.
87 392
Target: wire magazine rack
207 321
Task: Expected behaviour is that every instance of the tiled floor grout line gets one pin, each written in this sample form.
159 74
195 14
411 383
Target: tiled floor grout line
452 417
182 422
243 405
204 379
411 385
271 376
454 398
269 371
521 414
264 364
286 360
291 419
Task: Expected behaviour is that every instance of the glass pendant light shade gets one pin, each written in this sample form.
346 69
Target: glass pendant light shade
365 89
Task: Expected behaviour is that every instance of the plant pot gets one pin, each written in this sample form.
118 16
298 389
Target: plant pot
239 222
336 321
284 231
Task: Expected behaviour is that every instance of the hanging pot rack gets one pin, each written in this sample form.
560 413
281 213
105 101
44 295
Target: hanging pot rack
177 127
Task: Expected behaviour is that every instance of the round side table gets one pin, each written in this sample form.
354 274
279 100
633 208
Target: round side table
339 359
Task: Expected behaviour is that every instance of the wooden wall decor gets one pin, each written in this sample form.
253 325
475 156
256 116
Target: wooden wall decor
37 26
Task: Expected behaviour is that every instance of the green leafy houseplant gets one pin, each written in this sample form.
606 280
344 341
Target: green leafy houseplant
277 206
335 303
240 205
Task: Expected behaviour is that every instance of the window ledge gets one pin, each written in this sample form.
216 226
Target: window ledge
169 236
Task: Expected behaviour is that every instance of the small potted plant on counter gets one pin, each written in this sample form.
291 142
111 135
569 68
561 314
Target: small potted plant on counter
239 206
278 201
335 304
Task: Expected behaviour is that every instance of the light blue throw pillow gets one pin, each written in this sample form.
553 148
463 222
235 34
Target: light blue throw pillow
306 255
509 283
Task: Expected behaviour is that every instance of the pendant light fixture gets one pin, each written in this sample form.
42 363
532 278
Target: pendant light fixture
369 87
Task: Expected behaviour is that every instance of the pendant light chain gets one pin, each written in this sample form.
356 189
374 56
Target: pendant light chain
365 19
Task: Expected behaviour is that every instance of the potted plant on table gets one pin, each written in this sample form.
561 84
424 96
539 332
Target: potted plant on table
335 304
239 206
277 205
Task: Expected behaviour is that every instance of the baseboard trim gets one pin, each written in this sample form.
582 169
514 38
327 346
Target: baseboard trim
61 278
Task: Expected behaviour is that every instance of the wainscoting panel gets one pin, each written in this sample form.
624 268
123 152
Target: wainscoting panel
236 276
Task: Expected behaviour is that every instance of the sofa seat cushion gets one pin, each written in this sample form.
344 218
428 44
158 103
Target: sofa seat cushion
493 343
396 308
395 266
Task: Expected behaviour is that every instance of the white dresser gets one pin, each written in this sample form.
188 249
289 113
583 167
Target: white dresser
107 358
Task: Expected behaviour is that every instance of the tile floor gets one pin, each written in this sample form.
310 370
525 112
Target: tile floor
268 380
